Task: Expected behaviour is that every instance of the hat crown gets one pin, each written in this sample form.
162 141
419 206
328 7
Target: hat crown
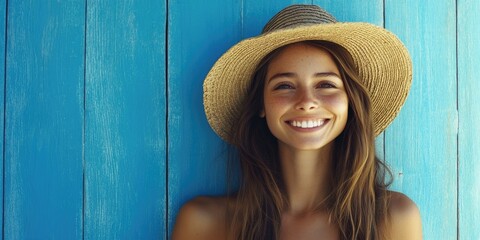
298 15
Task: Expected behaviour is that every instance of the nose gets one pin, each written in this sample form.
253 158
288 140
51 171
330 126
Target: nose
306 101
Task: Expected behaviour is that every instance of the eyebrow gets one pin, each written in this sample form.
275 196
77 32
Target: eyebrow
290 74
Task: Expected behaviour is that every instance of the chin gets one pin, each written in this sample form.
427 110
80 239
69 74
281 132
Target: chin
311 146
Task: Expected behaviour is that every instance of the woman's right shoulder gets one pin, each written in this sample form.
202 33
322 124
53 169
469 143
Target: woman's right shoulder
201 218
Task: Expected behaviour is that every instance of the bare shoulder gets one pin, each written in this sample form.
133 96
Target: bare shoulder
405 217
201 218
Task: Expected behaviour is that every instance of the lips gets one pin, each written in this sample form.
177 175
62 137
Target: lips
307 123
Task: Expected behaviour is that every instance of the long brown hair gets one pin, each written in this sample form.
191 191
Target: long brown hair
358 202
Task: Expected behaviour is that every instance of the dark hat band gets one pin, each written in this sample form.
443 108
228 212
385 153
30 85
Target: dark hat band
298 15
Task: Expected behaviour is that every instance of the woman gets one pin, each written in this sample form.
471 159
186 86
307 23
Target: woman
303 103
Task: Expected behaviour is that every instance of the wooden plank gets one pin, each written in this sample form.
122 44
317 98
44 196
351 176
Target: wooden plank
44 120
468 33
197 157
3 12
354 11
125 140
421 144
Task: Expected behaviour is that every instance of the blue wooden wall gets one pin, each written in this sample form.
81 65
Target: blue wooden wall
104 133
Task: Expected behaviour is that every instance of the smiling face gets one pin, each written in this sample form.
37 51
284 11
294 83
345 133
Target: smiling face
305 102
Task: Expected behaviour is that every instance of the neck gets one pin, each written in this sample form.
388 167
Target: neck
307 177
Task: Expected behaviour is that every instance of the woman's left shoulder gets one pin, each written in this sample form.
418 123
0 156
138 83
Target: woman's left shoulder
203 217
404 217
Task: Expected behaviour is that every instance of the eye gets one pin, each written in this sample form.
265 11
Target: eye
284 86
326 85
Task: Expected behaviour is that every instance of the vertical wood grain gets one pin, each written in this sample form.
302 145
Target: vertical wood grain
44 115
125 139
199 32
3 42
421 144
355 10
468 32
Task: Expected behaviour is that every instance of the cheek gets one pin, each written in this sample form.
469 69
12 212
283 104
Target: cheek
274 106
336 101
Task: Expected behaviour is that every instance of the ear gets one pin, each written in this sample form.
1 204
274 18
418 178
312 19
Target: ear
262 113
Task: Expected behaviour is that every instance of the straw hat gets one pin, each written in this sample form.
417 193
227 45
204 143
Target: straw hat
382 61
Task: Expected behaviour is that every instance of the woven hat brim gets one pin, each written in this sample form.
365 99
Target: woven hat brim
382 60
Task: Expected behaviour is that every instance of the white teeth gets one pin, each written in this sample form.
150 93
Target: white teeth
307 124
